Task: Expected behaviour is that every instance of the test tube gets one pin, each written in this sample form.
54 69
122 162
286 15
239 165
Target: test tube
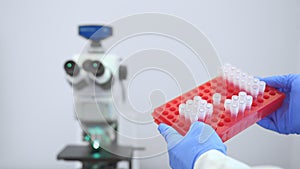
209 110
227 66
203 103
243 84
249 86
244 75
187 114
197 99
189 104
227 104
201 114
236 81
193 117
231 77
225 74
182 110
250 78
195 108
238 72
242 106
235 99
234 109
242 96
217 98
255 81
232 69
254 91
249 101
262 87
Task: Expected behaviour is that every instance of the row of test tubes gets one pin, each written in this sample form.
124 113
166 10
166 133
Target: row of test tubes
198 109
238 104
195 110
242 80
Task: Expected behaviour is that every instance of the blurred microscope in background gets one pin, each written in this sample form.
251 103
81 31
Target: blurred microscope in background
92 75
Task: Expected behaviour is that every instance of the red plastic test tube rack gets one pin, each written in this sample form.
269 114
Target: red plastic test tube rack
224 124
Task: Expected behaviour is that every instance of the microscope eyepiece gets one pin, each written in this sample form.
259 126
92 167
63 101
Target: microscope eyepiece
95 67
71 68
98 68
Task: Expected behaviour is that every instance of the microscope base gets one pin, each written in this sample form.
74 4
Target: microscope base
96 160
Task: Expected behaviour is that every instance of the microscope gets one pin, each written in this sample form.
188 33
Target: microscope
92 74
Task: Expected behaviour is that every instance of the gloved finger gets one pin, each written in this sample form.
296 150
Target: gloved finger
171 136
162 128
206 132
195 128
276 81
267 123
202 130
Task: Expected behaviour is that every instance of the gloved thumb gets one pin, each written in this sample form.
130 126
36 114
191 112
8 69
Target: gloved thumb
171 136
267 123
276 81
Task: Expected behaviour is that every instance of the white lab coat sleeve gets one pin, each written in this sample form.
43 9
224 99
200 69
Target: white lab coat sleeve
214 159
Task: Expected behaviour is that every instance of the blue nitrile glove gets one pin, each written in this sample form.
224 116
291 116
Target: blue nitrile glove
184 151
285 120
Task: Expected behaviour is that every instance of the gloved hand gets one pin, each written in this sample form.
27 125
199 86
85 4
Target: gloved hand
184 151
286 120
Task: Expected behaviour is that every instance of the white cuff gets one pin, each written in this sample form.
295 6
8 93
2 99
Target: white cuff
214 159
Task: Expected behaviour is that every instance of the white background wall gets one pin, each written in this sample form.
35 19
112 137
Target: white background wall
36 118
